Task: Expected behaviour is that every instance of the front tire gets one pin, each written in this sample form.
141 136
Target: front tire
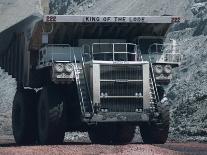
157 132
24 122
111 134
50 116
124 134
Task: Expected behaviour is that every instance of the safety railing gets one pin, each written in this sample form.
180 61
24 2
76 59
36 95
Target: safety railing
86 82
165 53
55 52
115 52
78 71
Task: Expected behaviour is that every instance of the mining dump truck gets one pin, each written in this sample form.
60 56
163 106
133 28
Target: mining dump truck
104 75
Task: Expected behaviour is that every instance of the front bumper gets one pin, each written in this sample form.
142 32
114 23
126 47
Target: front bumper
62 80
122 117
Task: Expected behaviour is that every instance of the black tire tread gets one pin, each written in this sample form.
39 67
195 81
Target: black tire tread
157 133
54 133
111 134
27 134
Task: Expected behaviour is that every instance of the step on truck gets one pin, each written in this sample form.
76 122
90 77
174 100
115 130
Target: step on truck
103 75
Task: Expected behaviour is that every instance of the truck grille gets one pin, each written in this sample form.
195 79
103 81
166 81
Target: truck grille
121 104
110 72
121 88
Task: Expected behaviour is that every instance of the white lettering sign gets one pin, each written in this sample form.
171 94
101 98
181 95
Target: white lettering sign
112 19
138 19
120 62
118 19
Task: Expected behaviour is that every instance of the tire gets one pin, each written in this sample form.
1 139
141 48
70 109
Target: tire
157 132
72 110
111 134
24 122
161 92
50 116
124 134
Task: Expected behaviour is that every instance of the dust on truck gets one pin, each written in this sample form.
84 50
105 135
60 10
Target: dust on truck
99 74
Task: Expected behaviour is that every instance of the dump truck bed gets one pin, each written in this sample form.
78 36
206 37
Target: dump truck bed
26 35
111 19
113 27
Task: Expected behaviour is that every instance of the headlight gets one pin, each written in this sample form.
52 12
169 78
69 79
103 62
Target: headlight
69 68
168 69
59 67
158 69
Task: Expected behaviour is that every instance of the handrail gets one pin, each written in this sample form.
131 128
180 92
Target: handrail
153 80
154 83
87 86
67 45
44 53
78 81
114 52
113 49
89 51
173 52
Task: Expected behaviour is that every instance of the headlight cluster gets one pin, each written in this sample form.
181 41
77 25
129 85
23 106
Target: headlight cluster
168 69
159 69
68 67
60 67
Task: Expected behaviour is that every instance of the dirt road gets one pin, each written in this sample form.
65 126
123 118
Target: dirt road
8 147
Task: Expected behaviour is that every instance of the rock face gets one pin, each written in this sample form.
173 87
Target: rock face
7 92
13 11
70 6
188 90
122 7
199 8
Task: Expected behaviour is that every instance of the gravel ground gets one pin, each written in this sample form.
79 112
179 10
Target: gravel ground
85 148
8 147
81 146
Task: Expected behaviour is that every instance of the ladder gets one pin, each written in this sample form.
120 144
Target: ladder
154 96
83 89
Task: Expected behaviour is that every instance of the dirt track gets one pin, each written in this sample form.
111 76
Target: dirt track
8 147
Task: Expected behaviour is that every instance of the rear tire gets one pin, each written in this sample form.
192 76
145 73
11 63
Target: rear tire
157 132
24 122
111 134
50 116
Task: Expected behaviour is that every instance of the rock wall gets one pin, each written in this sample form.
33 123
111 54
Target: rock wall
7 92
70 6
188 90
14 11
122 7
